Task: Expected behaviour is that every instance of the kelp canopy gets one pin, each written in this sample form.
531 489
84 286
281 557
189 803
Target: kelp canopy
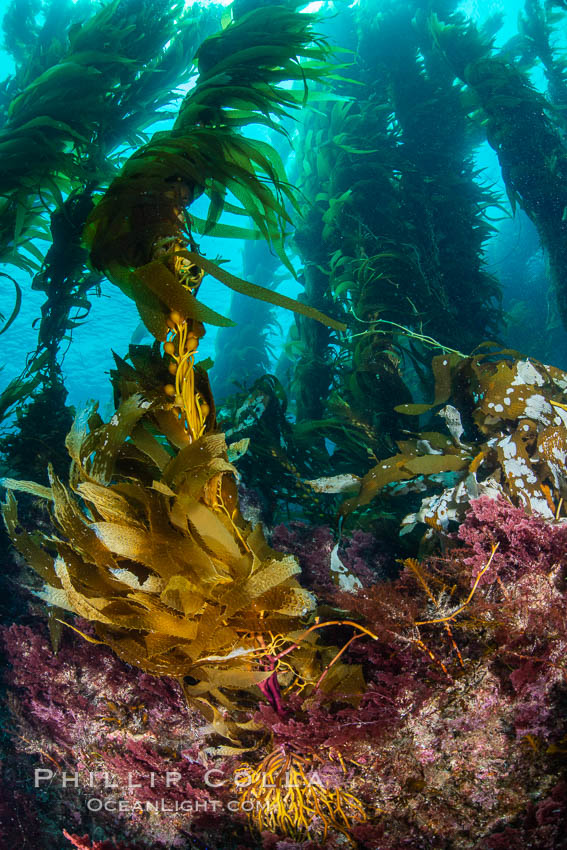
150 544
87 87
141 214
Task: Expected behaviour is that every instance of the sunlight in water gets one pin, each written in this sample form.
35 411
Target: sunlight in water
208 2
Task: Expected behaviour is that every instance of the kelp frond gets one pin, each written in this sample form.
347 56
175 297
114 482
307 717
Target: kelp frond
151 548
17 305
76 105
149 543
205 153
506 431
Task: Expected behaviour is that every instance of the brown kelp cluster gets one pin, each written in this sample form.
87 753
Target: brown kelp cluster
79 100
396 220
152 549
150 542
505 433
392 240
391 250
521 124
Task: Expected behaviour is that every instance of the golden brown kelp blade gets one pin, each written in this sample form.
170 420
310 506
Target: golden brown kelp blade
176 582
516 448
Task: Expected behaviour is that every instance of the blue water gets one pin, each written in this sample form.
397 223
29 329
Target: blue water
113 319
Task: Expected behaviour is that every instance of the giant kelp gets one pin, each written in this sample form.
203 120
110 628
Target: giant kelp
32 34
536 37
150 544
505 434
151 547
111 81
522 127
43 419
280 455
395 225
86 87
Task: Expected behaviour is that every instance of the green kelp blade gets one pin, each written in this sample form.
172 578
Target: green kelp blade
16 390
244 287
44 121
17 304
412 409
28 545
162 282
217 195
227 231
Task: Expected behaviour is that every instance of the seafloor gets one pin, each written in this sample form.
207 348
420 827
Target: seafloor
457 741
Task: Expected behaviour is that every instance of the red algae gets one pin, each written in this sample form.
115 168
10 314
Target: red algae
457 741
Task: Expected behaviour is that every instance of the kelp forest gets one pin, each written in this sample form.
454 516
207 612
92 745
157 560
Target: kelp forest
283 425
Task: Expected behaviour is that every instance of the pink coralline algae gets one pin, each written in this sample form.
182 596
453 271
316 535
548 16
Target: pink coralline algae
85 690
525 543
542 827
84 843
454 739
312 545
462 725
121 732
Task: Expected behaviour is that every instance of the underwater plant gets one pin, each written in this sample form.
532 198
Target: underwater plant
394 228
536 36
455 668
17 389
82 90
43 419
392 239
520 125
36 437
149 542
506 434
484 705
80 101
284 795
